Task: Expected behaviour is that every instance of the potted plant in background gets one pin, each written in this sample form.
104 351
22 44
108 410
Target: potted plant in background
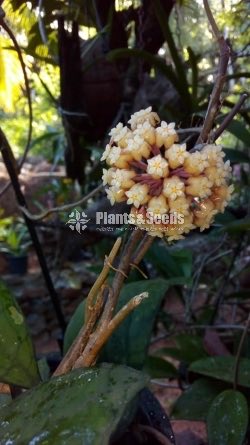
14 243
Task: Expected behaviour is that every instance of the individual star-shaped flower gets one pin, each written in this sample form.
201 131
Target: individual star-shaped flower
137 195
111 154
173 187
157 166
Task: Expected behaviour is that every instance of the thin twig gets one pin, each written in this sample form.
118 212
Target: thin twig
214 102
82 339
63 208
125 261
229 117
238 355
102 277
103 333
142 249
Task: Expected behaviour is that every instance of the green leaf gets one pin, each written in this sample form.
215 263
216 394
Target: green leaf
239 130
238 226
194 403
227 419
158 368
171 263
17 362
222 368
189 348
129 343
82 407
236 156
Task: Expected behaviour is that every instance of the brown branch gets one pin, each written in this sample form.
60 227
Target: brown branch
142 249
124 264
82 339
229 117
63 208
102 277
214 103
104 331
92 313
86 347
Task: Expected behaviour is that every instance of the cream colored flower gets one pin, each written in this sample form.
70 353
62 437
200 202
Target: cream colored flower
111 154
157 167
107 175
214 153
119 132
218 174
205 223
195 163
142 116
122 178
147 132
137 195
222 196
138 148
157 205
115 195
176 155
179 205
199 186
166 135
173 187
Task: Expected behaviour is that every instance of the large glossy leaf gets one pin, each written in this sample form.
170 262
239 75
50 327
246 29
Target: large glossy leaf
227 419
83 407
17 362
194 403
222 368
129 343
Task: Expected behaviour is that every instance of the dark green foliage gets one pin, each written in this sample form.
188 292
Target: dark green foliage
227 419
84 406
17 362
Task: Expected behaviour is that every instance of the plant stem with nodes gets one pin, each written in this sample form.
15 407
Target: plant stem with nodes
101 302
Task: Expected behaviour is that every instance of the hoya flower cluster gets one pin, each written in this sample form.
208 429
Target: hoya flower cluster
155 175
